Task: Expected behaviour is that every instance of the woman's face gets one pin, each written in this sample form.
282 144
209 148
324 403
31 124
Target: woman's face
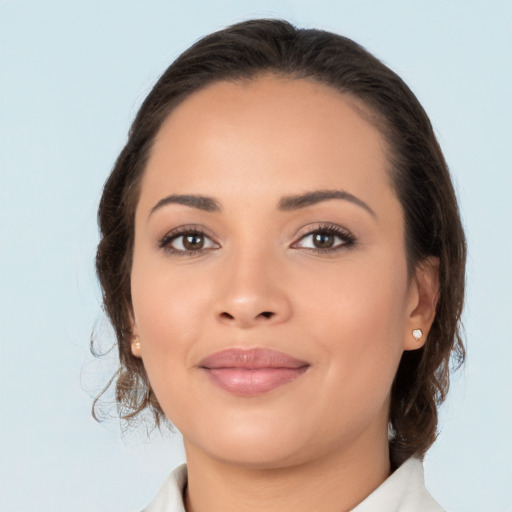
269 280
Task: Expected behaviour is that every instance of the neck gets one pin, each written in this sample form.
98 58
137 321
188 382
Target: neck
336 482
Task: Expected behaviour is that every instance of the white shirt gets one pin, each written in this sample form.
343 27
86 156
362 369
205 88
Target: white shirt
403 491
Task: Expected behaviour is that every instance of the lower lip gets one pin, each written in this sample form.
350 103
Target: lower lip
252 382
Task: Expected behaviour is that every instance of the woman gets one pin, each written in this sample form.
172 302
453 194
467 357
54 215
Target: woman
282 260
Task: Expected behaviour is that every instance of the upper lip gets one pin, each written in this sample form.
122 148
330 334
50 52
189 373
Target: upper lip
250 359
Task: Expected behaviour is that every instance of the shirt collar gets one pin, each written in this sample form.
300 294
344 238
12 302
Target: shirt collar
403 491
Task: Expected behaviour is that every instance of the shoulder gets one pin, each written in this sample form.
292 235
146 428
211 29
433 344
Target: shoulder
170 496
403 491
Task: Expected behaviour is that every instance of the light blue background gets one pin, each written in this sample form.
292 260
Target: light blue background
72 75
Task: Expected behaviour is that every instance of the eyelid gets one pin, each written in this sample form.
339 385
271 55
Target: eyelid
164 242
347 237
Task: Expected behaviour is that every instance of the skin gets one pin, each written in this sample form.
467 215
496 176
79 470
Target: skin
319 442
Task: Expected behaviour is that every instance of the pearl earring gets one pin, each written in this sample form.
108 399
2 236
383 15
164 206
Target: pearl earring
417 334
135 345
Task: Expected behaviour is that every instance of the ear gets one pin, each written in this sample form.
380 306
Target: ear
422 303
136 346
135 339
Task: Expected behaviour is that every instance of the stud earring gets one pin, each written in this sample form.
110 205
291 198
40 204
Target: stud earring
136 346
417 334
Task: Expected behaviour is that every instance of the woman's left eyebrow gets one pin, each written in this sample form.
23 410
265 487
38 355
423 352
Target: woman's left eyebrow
310 198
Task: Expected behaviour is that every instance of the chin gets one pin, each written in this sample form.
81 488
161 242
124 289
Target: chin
260 457
252 445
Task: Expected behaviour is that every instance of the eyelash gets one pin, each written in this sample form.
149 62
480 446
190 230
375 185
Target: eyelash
166 241
347 238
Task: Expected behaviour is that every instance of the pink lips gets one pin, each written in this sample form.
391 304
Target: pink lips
252 372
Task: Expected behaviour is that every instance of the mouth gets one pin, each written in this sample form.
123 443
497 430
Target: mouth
252 372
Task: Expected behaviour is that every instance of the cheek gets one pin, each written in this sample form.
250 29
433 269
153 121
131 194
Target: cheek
174 306
356 314
365 293
169 311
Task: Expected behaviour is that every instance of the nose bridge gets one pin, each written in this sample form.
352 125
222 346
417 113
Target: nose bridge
251 291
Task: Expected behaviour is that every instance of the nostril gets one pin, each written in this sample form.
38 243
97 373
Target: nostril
242 317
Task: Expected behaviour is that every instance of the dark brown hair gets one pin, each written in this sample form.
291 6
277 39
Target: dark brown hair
418 173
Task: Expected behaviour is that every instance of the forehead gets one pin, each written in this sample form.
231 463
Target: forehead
265 134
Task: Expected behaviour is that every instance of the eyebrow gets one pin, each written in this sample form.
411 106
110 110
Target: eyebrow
204 203
290 203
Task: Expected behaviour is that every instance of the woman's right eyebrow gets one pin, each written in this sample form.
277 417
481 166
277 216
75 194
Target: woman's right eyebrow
207 204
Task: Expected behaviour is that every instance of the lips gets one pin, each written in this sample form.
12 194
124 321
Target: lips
252 372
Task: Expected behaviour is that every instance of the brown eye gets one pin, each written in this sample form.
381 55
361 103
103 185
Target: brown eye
323 240
326 239
193 242
187 242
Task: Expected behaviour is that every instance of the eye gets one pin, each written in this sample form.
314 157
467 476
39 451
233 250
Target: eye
187 242
326 239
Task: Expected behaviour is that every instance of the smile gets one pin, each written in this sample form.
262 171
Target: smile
252 372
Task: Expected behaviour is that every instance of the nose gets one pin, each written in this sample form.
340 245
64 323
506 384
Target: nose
252 292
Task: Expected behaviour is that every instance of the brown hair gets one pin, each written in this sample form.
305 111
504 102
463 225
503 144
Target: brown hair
418 173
